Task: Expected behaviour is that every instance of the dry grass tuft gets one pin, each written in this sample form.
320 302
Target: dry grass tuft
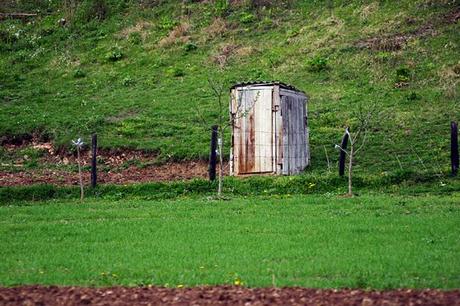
141 27
450 79
230 50
332 27
244 51
224 53
178 34
368 10
217 28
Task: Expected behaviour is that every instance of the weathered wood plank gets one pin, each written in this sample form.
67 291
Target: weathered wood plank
300 133
275 110
291 136
285 136
307 131
265 131
303 135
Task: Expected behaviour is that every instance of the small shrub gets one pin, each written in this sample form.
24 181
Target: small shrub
221 7
317 64
383 56
135 38
266 23
127 81
79 74
115 54
413 96
188 47
402 75
92 10
246 18
175 72
167 23
292 33
127 128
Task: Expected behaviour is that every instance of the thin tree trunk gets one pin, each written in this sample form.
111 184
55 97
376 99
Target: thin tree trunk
80 175
350 173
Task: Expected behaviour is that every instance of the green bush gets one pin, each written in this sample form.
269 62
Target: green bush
247 17
317 64
91 10
128 81
221 7
167 23
402 75
78 73
190 47
115 54
135 38
175 72
413 96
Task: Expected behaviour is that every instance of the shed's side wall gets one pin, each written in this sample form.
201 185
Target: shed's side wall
295 145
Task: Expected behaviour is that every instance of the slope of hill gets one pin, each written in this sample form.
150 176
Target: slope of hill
136 72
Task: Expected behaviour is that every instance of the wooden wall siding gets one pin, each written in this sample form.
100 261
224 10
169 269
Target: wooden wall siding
252 132
277 131
295 155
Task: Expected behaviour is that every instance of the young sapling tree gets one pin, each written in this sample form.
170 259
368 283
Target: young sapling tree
357 139
224 120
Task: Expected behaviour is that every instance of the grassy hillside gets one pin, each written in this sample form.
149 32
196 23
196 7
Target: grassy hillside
136 72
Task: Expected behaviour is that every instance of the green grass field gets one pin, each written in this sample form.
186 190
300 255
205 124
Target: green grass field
371 241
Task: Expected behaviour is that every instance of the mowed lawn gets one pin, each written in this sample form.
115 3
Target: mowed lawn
370 241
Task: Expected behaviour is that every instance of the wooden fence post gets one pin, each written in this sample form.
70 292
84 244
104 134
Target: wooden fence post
454 160
213 154
342 154
93 160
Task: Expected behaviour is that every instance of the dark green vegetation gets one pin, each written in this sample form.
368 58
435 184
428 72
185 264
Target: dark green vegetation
402 183
314 241
136 72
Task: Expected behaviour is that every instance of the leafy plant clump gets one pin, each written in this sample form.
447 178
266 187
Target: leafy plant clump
115 54
402 75
188 47
247 18
317 64
79 74
175 72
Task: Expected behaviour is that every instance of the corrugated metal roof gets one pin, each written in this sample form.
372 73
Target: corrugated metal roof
267 83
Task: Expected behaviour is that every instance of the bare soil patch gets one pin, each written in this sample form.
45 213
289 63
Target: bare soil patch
131 174
114 167
221 295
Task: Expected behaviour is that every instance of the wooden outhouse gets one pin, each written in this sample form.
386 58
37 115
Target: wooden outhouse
269 129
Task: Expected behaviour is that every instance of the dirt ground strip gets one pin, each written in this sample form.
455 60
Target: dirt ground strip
132 174
114 167
221 295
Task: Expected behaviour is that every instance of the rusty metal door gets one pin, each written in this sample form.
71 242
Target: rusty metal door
252 130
